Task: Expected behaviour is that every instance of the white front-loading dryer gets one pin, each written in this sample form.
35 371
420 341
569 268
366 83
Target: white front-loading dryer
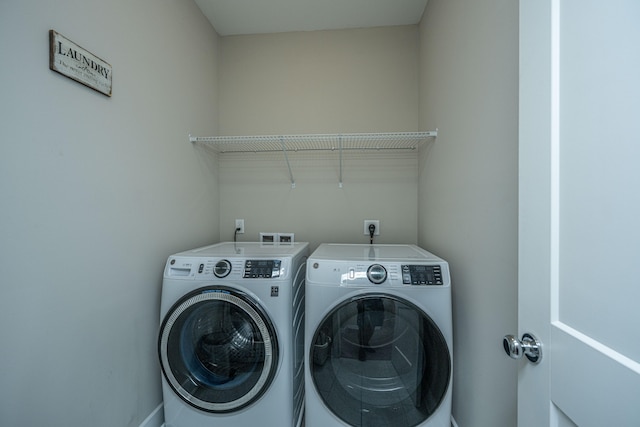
231 337
378 337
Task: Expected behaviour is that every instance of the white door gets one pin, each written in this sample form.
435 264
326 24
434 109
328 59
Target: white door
579 220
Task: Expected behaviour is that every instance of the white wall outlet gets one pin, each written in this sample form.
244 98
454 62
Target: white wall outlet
240 226
375 222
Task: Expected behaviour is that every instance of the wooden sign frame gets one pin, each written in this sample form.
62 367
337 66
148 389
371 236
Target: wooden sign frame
76 63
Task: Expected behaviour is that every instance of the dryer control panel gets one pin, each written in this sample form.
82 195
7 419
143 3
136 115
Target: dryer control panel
262 269
422 275
385 274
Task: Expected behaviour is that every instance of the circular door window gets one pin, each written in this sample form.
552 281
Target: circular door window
218 350
379 360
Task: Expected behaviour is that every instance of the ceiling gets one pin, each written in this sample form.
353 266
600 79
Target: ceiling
233 17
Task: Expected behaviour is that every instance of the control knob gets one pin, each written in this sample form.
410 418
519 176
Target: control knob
376 274
222 268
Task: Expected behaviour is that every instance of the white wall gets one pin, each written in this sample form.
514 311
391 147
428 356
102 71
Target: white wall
468 191
362 80
96 193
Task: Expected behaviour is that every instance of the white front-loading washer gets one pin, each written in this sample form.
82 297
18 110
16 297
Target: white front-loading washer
231 340
378 337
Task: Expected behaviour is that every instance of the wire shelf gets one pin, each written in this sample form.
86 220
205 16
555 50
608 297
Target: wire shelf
316 142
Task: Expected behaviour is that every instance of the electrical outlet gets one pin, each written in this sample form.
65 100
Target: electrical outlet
375 222
240 226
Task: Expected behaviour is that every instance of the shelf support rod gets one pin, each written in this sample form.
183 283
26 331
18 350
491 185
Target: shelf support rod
340 149
286 158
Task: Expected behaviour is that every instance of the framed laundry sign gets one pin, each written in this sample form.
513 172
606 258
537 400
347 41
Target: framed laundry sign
71 60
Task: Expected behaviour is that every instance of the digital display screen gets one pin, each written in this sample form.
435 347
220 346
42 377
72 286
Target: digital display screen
261 269
422 275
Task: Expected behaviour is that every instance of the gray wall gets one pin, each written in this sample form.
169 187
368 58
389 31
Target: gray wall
347 81
468 191
96 193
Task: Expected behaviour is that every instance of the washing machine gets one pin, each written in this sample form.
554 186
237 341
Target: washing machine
378 337
231 343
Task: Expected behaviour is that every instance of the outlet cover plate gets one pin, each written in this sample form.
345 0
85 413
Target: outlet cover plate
374 222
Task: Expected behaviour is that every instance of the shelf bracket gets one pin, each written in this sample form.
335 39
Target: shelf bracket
340 155
286 159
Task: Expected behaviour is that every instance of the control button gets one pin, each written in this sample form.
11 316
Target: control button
275 271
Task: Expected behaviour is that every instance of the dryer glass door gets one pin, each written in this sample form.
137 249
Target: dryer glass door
218 350
379 360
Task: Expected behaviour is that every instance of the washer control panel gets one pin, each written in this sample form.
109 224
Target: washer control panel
422 275
261 269
190 268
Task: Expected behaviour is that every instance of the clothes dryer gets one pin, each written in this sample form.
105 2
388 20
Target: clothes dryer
378 337
231 337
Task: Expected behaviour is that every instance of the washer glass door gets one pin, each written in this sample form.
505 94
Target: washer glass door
379 360
218 350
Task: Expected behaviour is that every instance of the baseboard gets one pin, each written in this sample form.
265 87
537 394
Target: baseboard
155 418
453 422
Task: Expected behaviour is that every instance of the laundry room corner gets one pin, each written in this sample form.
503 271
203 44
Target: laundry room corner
155 418
341 81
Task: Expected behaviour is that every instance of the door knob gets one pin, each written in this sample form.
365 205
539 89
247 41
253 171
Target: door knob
529 346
